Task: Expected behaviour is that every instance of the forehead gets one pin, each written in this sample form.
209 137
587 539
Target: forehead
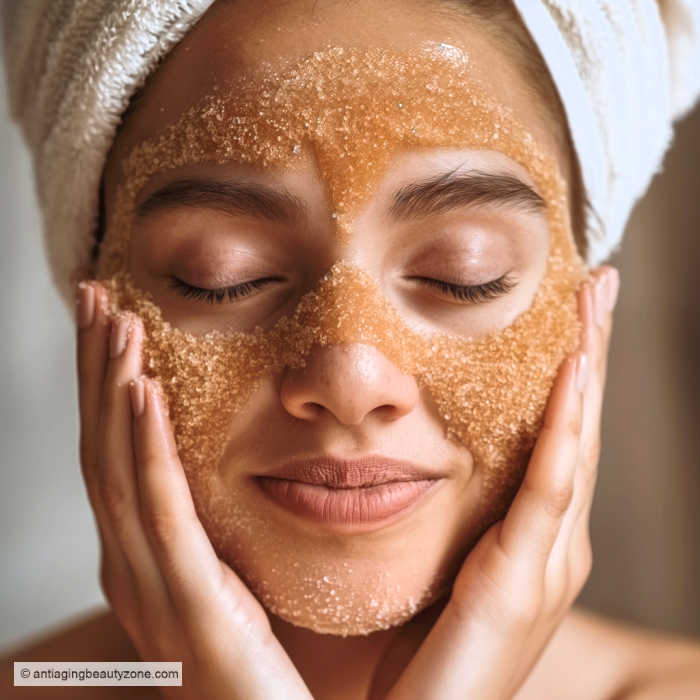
353 110
232 40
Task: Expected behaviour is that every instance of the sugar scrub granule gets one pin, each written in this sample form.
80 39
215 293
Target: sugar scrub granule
341 106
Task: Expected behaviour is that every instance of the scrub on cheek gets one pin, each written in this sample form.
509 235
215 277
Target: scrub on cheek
353 110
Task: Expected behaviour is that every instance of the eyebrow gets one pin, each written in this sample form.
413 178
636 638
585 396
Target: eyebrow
235 198
451 190
435 195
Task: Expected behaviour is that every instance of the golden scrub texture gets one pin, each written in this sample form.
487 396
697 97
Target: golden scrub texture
353 111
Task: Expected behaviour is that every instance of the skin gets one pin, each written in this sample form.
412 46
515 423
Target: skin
516 586
357 371
510 595
156 251
171 244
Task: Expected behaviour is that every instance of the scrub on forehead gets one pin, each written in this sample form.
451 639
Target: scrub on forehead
353 111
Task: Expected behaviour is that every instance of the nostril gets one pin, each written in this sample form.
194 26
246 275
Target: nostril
310 410
389 411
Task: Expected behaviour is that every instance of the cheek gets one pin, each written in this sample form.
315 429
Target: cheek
489 392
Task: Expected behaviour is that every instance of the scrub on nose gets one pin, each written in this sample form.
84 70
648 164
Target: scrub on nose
354 110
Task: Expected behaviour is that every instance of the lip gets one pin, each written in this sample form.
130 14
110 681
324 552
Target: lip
355 495
370 470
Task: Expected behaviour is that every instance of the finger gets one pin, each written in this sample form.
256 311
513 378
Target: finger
93 324
597 340
191 568
597 324
580 560
92 339
571 556
117 475
222 620
469 626
535 516
594 342
90 326
580 554
116 579
557 575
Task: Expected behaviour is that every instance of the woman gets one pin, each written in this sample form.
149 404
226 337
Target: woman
379 484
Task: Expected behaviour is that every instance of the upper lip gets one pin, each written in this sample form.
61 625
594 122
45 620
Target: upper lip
368 470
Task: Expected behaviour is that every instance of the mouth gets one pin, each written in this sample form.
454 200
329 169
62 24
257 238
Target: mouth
356 495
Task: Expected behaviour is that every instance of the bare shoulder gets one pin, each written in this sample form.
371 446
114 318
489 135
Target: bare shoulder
591 656
94 636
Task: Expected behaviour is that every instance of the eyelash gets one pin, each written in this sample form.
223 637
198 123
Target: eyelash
217 296
470 293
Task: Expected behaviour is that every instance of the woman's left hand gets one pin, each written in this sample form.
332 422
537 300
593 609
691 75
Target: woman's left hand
520 580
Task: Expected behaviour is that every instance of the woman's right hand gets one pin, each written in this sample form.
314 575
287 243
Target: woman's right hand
171 593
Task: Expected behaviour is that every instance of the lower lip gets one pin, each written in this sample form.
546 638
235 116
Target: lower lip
348 509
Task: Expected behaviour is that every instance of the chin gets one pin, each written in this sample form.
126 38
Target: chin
350 605
335 584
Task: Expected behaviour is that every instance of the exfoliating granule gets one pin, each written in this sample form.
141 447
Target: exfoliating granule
353 111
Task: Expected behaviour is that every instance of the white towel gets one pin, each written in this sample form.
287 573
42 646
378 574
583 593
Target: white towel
72 66
625 69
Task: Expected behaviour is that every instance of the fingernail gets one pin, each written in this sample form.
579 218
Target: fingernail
613 288
581 371
86 305
119 335
136 393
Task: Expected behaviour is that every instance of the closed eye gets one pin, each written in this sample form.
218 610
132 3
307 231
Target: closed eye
472 294
220 294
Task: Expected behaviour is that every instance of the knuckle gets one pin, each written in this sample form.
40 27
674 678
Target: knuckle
110 397
592 450
591 457
574 423
558 499
115 499
247 618
516 602
525 608
161 524
149 458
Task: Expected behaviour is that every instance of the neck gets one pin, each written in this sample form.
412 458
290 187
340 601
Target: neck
349 668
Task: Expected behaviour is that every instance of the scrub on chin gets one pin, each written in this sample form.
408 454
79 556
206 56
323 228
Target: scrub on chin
353 111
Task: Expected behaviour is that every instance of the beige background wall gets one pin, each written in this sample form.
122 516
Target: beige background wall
646 519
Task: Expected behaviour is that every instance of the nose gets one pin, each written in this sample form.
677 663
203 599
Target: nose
348 381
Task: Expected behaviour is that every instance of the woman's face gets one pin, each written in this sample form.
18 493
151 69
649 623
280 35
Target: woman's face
345 171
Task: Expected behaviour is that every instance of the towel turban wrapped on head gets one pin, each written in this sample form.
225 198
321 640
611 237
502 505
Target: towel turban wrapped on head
624 70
